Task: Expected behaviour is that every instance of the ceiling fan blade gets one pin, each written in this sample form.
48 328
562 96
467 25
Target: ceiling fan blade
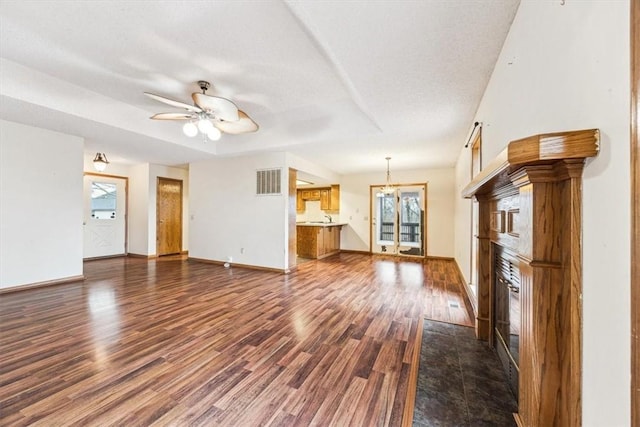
173 103
244 125
222 108
172 116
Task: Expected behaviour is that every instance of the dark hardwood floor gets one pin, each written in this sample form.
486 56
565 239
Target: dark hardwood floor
175 342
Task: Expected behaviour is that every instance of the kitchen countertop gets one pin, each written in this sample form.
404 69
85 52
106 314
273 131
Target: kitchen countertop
320 224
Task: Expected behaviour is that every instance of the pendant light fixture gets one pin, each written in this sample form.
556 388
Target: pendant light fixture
388 188
100 162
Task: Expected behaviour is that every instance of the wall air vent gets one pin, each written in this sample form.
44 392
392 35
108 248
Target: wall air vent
268 182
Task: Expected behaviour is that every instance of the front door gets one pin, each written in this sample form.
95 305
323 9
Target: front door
397 220
105 208
169 216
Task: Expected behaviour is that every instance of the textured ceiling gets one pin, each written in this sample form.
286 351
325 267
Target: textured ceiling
341 83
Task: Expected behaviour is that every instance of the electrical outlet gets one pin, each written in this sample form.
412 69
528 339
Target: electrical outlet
242 250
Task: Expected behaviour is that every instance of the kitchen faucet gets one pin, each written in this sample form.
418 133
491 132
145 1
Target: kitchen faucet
328 216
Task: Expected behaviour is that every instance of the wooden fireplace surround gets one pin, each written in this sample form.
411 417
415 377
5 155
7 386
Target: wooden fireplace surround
530 201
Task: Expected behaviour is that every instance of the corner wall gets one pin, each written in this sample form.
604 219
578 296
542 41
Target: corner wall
139 210
566 67
228 219
40 205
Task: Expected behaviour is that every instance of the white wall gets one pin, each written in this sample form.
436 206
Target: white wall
227 215
566 67
139 210
462 217
310 168
354 207
40 205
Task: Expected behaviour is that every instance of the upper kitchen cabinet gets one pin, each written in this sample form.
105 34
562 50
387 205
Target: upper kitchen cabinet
329 198
311 194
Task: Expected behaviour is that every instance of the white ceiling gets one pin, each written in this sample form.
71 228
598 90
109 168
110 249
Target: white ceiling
341 83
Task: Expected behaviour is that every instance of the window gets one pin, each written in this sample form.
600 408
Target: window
387 214
103 200
410 217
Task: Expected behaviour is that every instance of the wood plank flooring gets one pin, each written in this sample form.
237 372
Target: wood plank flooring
175 342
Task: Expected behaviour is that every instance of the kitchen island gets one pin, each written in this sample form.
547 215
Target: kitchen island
318 239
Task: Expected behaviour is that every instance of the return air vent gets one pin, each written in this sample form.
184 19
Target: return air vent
268 182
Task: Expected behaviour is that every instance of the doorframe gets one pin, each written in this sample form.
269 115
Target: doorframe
158 179
424 219
635 211
126 209
476 160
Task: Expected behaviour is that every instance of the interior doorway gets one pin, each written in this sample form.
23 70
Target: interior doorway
105 216
398 220
168 216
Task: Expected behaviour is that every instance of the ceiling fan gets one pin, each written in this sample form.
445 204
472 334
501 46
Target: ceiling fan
210 115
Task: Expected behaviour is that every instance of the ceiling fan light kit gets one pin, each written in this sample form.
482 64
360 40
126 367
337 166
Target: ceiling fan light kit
214 134
210 115
190 129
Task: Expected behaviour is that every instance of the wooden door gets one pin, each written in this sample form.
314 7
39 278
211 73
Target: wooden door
169 216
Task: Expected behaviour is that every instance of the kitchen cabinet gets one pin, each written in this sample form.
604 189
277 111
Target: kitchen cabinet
310 195
329 198
325 199
331 240
318 241
334 198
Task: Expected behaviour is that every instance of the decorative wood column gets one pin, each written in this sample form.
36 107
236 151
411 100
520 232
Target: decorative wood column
485 291
530 202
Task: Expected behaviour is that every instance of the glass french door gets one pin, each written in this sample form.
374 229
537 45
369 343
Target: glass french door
397 220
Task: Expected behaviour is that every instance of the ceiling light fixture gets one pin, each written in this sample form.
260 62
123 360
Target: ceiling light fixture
202 124
388 188
100 162
190 129
210 115
214 133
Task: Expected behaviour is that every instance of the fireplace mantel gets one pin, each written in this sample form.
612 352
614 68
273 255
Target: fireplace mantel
529 201
534 150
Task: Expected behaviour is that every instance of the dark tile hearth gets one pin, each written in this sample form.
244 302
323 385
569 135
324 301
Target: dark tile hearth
460 381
